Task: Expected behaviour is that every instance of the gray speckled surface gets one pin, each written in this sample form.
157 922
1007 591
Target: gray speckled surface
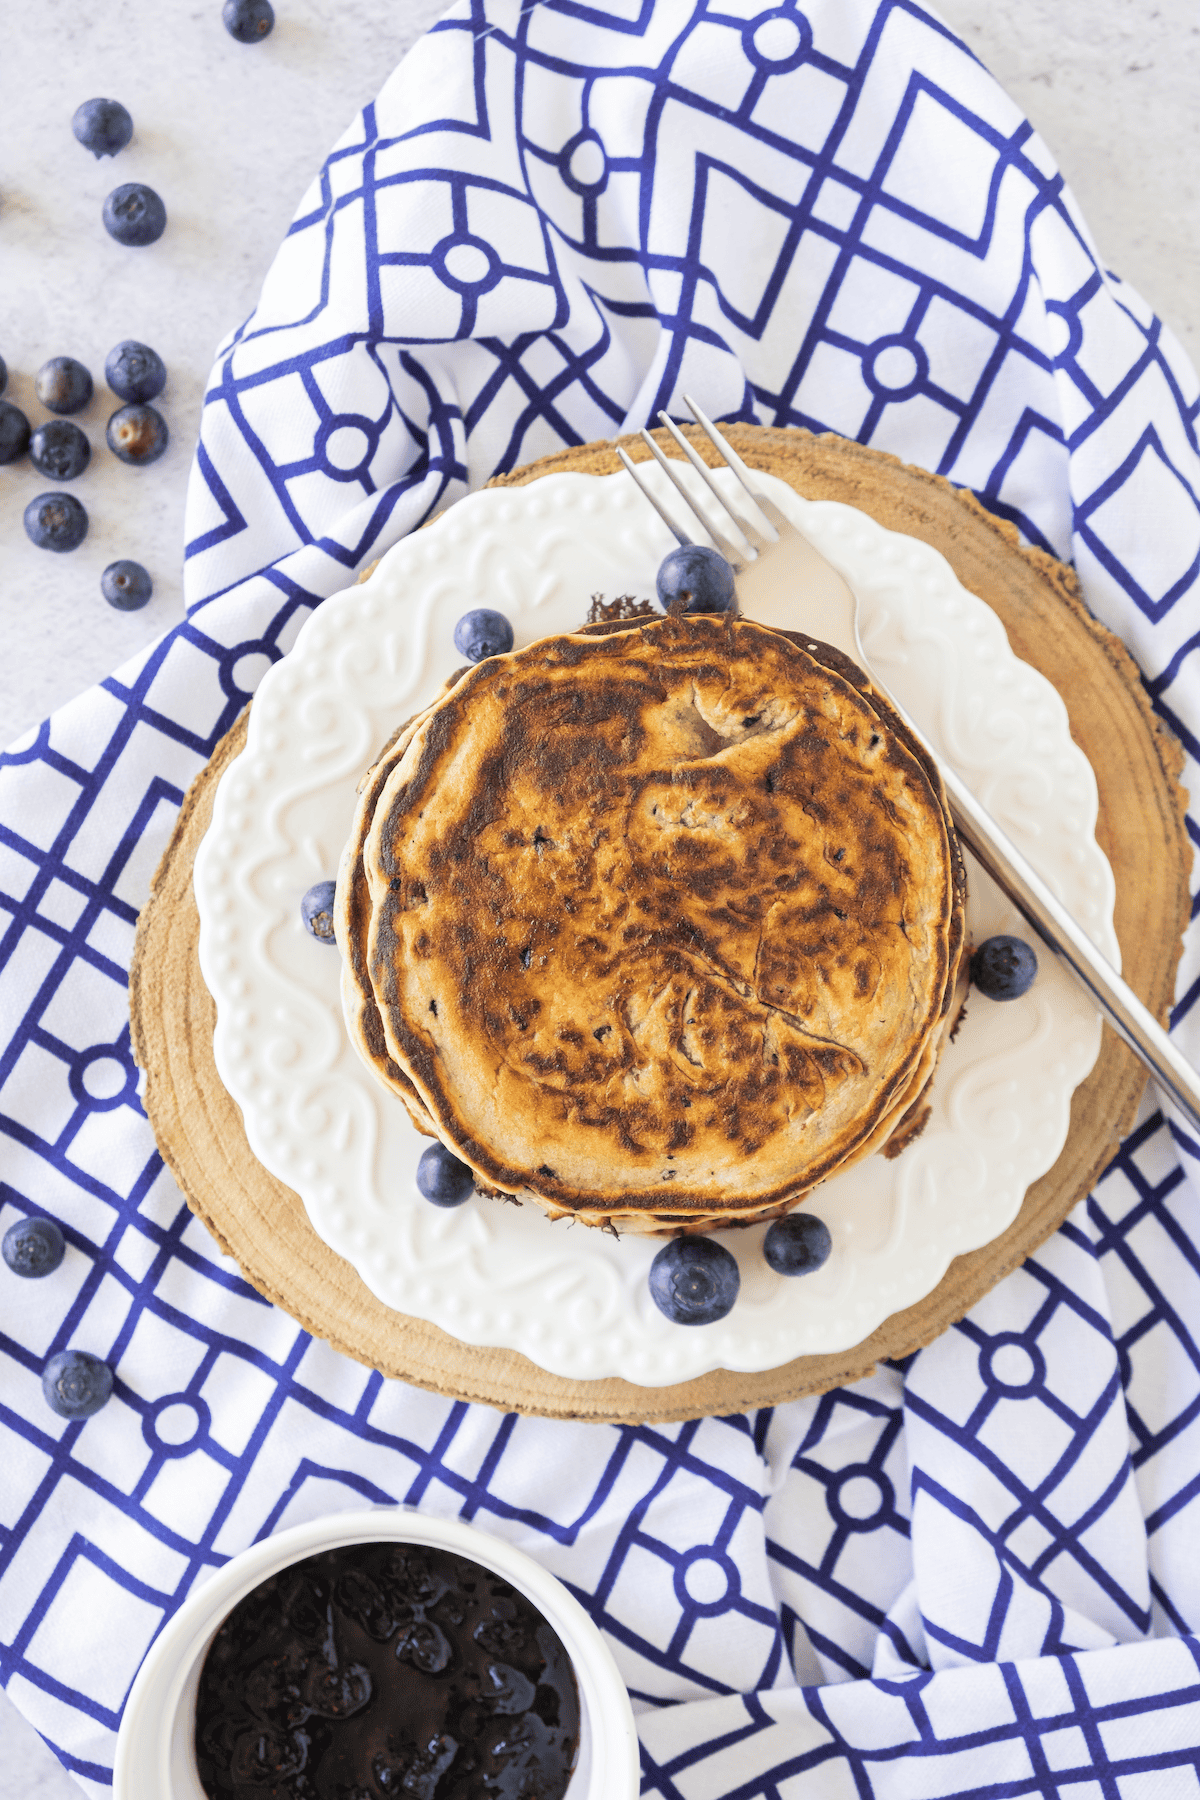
232 136
28 1770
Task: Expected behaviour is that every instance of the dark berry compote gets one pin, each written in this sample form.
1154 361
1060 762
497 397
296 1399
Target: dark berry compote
386 1669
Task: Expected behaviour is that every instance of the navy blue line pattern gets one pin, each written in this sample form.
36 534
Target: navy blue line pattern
973 1574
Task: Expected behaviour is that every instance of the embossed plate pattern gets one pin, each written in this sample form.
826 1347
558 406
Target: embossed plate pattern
571 1299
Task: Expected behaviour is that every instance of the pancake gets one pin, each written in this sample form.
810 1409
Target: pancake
351 924
664 925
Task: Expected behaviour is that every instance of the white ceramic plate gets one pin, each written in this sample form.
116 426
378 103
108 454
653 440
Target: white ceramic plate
572 1299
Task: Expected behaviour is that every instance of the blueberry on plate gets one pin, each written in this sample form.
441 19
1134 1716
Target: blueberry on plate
134 371
3 374
797 1244
14 432
249 21
1003 968
126 585
63 385
443 1178
59 449
33 1247
137 434
316 908
55 522
694 1281
102 126
76 1384
482 632
134 214
695 579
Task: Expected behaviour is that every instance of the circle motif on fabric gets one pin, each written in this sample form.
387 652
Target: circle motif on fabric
101 1078
583 164
859 1497
1012 1365
345 445
175 1423
778 40
249 669
895 366
707 1581
346 448
1064 331
243 666
467 264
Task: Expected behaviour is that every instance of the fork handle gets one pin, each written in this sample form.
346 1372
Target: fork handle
1128 1016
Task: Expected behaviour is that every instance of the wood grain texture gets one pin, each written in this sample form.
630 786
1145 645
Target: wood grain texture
262 1223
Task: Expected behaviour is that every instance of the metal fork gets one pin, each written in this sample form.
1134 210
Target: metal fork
786 582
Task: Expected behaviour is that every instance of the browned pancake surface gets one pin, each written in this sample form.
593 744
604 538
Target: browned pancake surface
659 920
352 922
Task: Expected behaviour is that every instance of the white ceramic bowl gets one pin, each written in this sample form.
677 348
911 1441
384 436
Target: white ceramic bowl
155 1745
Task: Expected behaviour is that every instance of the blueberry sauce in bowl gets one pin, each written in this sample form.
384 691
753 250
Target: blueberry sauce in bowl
383 1668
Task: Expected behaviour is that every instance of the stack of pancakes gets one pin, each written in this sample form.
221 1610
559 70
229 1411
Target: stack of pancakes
657 924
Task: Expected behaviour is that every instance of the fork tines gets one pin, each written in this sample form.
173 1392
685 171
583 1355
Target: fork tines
757 539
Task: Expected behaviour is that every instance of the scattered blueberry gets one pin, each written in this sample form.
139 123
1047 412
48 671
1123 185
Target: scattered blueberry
56 522
76 1384
59 449
14 432
134 214
102 126
248 20
33 1247
442 1178
481 633
694 1281
134 371
126 585
1003 968
797 1244
3 374
316 908
63 385
137 434
695 579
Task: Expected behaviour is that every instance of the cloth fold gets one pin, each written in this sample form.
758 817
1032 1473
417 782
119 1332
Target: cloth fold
974 1574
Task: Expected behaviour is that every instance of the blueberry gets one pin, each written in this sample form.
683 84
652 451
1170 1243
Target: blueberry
694 1281
1003 968
126 585
481 633
137 434
56 522
797 1244
316 909
134 214
59 449
14 432
134 371
695 579
102 126
76 1384
33 1247
63 385
248 20
442 1178
3 374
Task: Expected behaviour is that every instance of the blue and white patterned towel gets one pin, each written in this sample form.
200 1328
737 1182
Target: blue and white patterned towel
976 1575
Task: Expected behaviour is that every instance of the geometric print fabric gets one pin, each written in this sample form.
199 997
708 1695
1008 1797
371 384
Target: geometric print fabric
974 1574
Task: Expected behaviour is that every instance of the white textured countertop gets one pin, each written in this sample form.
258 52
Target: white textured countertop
231 136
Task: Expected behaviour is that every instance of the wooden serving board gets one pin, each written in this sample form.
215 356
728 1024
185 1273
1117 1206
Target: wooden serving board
263 1224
